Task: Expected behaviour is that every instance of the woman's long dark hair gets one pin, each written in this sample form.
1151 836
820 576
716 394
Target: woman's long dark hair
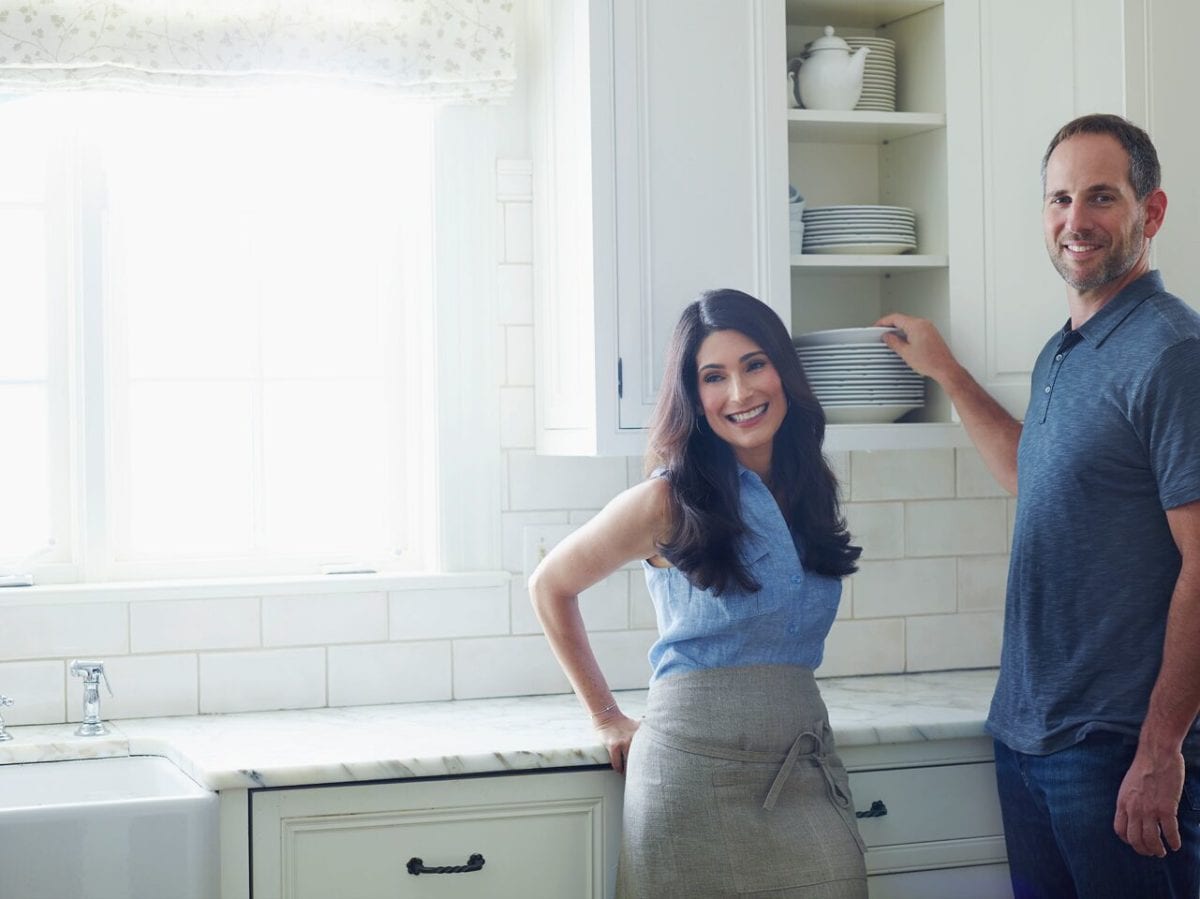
707 526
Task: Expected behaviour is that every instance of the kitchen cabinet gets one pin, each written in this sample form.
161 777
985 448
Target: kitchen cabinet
540 834
659 171
941 835
981 87
662 153
1159 35
557 834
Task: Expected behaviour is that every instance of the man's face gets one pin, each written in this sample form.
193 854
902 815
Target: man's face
1094 226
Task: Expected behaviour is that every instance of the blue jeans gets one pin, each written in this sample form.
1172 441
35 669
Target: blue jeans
1058 814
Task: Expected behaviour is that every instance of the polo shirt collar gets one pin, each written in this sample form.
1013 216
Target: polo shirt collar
1097 328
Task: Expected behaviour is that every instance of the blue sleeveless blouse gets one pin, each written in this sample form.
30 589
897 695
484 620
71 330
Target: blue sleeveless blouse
784 623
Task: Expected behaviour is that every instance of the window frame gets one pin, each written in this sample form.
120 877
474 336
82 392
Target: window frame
464 458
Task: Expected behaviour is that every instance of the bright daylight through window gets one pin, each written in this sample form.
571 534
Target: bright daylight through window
215 333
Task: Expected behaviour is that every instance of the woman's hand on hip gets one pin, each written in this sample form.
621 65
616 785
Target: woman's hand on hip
617 734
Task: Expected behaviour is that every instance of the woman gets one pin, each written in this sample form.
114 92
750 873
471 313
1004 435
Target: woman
733 787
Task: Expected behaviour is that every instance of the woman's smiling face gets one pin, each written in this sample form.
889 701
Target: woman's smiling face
741 395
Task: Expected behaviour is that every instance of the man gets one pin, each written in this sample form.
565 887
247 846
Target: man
1094 716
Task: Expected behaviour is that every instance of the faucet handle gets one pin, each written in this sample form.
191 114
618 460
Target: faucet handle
91 670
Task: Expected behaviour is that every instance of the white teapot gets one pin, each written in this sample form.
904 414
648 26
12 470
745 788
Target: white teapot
831 76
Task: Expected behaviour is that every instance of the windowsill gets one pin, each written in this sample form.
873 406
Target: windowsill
149 591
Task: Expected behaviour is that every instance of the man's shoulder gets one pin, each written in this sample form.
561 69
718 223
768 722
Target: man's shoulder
1170 320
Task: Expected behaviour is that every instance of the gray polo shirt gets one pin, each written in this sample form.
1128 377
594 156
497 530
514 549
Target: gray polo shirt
1111 439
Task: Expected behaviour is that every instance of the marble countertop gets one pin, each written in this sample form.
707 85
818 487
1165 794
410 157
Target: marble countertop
335 745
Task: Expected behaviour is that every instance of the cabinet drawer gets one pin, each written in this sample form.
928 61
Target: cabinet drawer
937 816
540 835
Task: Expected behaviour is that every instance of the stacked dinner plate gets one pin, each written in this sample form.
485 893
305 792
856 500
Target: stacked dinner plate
856 378
885 230
879 75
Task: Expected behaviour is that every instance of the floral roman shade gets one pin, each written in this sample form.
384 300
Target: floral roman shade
434 49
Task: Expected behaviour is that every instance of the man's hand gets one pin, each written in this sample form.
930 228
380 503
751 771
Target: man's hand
922 347
1149 801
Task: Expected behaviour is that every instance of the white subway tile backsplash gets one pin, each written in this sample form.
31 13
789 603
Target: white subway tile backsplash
518 232
516 418
904 587
192 624
515 294
604 606
518 356
563 482
76 629
538 540
146 686
389 672
37 690
846 606
864 647
972 475
262 680
635 470
440 614
954 527
839 462
623 657
939 642
514 548
982 583
521 616
322 619
902 474
506 666
877 527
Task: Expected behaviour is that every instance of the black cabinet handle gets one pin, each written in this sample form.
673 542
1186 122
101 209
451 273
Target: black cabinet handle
474 863
877 810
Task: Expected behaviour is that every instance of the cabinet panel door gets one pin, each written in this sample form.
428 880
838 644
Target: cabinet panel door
1035 67
700 162
977 882
942 802
550 835
1160 35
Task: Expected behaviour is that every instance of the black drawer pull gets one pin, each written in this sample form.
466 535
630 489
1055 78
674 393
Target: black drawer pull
877 810
474 863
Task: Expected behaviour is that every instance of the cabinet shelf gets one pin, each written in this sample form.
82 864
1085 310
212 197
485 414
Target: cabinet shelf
829 126
867 14
833 264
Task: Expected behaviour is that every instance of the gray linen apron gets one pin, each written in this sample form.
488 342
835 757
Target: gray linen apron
733 788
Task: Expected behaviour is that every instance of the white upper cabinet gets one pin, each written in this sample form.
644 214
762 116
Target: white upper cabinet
664 146
1022 69
1160 35
659 172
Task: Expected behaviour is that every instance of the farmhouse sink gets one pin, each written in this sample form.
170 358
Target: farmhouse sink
111 828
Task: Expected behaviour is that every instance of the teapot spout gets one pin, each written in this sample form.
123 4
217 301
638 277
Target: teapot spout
858 60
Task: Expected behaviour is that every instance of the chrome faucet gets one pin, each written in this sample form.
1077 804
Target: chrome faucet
91 672
4 703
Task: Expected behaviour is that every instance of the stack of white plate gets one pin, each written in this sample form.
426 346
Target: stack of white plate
856 378
879 76
884 230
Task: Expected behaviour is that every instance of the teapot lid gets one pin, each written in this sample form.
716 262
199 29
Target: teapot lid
829 42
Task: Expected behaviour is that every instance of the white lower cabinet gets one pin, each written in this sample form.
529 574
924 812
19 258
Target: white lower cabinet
556 835
941 836
551 835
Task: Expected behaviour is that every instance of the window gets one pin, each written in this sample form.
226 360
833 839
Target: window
217 335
